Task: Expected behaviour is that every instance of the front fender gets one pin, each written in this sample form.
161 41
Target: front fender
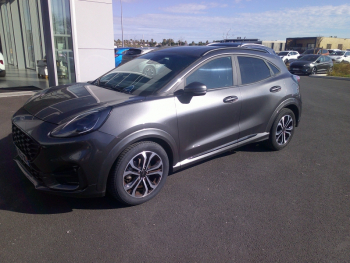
143 134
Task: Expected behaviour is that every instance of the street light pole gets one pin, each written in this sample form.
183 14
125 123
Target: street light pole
121 21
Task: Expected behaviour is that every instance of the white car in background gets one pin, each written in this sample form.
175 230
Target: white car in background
288 55
340 56
2 66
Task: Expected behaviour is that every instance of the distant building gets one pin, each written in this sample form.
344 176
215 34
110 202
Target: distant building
302 43
277 45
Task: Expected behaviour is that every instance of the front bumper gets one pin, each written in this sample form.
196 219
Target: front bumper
64 166
50 185
298 70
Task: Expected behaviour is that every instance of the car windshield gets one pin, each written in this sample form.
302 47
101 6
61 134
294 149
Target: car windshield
339 53
283 53
310 51
309 58
146 74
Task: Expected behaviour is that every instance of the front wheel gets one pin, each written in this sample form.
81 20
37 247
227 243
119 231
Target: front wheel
282 130
313 71
3 73
139 173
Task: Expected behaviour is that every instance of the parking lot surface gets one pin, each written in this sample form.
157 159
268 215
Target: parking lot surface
248 205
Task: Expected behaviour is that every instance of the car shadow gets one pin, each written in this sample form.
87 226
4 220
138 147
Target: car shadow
17 193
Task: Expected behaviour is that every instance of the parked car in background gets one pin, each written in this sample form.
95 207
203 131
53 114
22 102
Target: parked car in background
134 53
286 56
311 64
124 132
2 66
246 45
118 54
315 51
340 56
333 50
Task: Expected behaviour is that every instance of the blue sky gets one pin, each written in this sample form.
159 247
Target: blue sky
195 20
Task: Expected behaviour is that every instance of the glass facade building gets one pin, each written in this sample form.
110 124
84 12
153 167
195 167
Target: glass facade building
50 38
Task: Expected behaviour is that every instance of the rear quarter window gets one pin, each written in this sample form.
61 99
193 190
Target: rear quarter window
274 68
253 69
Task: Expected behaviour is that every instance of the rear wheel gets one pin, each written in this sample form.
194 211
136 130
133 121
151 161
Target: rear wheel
3 73
139 173
329 71
282 130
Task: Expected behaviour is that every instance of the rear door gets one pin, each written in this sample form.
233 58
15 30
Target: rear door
209 121
262 90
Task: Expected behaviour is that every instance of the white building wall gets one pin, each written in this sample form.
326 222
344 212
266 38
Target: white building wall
93 38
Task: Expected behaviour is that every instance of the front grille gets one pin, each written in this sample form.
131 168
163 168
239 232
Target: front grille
26 144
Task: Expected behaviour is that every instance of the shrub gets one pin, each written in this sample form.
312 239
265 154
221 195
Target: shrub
341 70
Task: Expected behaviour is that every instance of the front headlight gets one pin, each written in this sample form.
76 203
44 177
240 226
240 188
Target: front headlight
82 124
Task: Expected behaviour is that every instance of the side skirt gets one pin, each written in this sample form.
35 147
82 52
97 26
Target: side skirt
226 147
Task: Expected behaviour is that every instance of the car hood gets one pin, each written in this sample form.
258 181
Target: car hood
57 104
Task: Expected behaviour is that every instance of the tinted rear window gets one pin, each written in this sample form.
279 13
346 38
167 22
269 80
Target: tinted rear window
133 52
253 69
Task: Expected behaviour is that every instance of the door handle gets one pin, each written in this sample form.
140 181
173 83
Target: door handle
275 89
230 99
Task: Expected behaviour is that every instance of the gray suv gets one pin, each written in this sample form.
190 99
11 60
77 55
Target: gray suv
127 130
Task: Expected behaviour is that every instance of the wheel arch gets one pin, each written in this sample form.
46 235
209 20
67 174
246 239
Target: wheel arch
291 104
163 138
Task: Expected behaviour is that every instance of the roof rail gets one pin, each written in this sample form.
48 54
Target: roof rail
242 48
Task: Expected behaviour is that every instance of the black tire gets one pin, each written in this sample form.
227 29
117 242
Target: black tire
3 73
286 61
313 71
275 142
149 71
142 190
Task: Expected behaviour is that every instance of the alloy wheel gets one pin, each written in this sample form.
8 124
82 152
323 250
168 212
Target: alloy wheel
143 174
313 71
284 129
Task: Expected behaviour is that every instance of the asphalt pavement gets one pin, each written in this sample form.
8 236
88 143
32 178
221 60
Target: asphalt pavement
248 205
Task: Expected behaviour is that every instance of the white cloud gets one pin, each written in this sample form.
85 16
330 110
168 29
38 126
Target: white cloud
186 9
270 25
191 8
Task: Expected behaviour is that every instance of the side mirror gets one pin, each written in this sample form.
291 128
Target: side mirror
195 89
317 61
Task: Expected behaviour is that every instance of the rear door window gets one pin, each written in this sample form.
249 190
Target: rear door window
216 73
253 69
